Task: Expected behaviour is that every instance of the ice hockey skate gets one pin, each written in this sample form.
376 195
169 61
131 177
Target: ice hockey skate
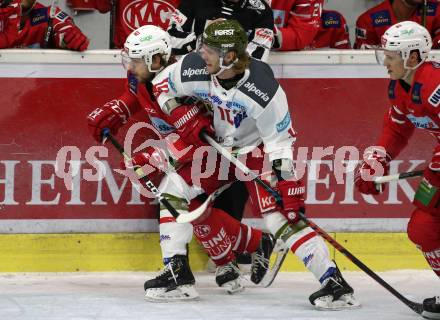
335 294
228 277
175 282
261 258
431 308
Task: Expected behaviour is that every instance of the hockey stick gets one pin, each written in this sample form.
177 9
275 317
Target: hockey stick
416 307
398 176
148 184
112 24
53 8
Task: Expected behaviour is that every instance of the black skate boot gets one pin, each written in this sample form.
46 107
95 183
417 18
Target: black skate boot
261 258
228 277
174 282
335 294
431 308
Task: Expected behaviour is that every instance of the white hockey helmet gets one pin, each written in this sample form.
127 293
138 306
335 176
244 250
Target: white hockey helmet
405 37
145 42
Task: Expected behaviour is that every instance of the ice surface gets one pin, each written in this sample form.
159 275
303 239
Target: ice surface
111 296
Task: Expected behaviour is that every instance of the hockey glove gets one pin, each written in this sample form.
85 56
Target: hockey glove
427 196
190 123
291 189
66 34
151 160
376 164
293 194
74 39
112 115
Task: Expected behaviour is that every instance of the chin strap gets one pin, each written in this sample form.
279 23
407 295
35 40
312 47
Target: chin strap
223 67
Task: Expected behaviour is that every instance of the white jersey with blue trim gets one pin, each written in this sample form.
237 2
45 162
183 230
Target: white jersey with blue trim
252 112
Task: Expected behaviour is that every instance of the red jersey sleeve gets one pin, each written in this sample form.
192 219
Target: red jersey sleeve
397 129
9 24
341 39
302 24
366 37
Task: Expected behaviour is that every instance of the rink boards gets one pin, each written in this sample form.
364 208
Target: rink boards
337 103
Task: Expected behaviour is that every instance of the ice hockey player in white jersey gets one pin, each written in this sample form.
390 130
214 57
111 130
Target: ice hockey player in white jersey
251 116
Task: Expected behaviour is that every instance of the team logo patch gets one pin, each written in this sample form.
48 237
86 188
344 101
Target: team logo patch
434 98
331 20
381 18
62 16
141 12
38 16
202 230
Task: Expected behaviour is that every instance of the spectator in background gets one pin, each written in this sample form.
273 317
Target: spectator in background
193 16
28 26
333 32
129 15
9 22
297 22
372 24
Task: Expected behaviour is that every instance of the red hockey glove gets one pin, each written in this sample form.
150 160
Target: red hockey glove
10 13
180 150
427 196
74 39
376 164
112 115
151 160
190 122
293 194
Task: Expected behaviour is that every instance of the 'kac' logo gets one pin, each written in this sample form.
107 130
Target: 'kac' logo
202 230
143 12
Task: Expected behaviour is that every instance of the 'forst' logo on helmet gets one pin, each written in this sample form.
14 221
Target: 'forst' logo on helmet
227 32
226 35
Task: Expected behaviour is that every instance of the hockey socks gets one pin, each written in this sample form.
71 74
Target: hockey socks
212 234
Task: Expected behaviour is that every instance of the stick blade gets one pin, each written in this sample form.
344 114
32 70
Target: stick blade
195 214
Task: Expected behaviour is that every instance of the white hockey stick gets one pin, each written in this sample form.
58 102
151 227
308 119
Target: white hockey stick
398 176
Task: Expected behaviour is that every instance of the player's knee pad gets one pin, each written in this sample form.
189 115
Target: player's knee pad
280 228
424 230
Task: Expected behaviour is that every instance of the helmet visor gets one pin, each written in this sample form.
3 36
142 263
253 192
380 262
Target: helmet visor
203 46
128 62
382 55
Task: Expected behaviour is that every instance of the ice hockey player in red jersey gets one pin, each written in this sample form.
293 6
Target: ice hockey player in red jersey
372 24
297 23
146 52
34 19
129 15
333 32
10 11
414 95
